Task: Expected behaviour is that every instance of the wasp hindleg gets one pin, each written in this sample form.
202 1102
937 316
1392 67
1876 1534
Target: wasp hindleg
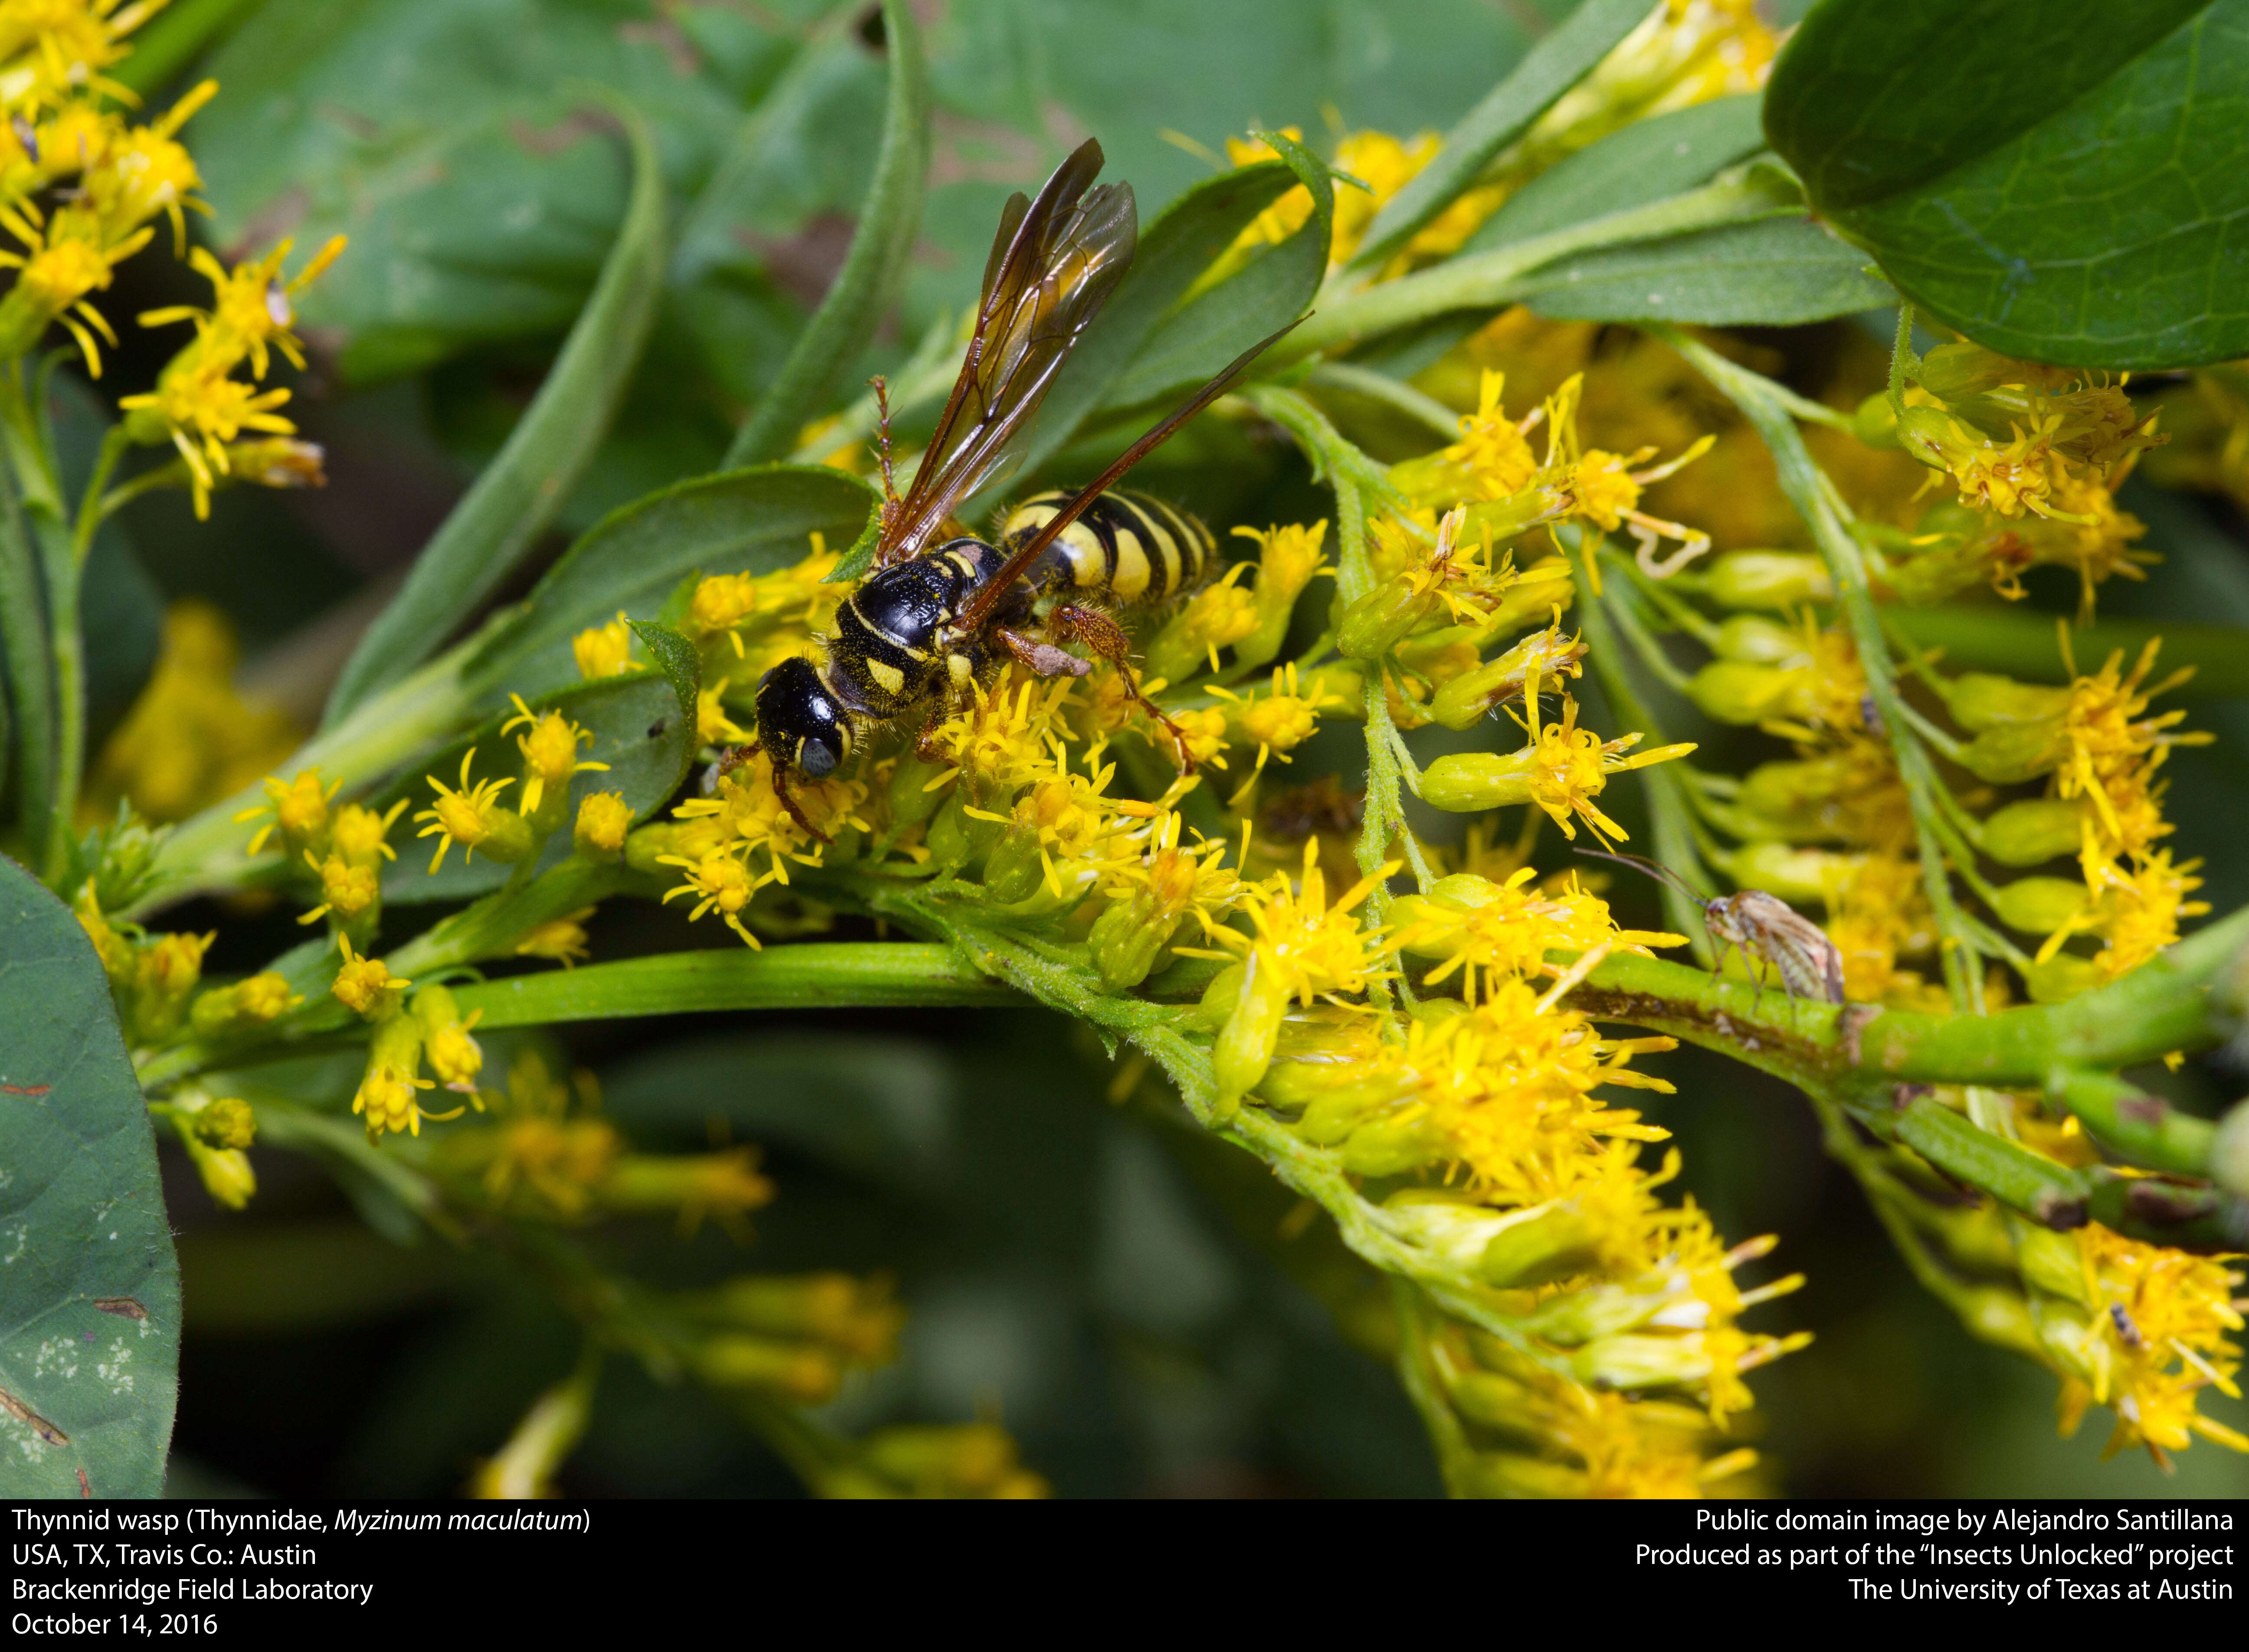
1107 638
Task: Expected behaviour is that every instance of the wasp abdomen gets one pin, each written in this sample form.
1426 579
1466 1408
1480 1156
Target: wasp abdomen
1126 548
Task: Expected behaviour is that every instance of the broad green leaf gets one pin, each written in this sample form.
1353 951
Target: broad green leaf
803 976
89 1288
1547 70
1776 272
493 527
447 138
748 521
2064 181
642 728
1202 335
864 291
1644 161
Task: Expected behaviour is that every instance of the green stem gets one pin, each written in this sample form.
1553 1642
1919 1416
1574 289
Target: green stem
30 665
93 505
1425 1387
1815 500
1903 360
2140 1128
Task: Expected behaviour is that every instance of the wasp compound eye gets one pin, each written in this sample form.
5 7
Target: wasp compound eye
817 758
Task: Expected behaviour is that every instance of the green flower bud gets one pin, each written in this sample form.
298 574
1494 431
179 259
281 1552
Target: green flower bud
1127 938
1979 700
1379 621
1470 782
226 1121
2040 905
2229 1152
1336 1110
911 798
1768 580
1954 372
1758 640
2014 752
1015 869
2061 978
2033 831
1220 997
1390 1146
1876 423
1245 1044
1504 1473
1789 872
1550 1243
1642 1362
1932 436
1449 1224
1727 691
2051 1262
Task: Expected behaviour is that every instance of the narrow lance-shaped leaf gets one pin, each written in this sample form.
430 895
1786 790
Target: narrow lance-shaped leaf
89 1287
1216 324
27 765
1547 70
643 729
2066 181
867 285
749 521
493 527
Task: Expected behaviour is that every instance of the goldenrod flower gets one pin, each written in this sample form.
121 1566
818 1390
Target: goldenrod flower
471 817
1561 770
719 882
712 726
1215 618
386 1098
606 650
251 307
1279 720
346 891
1495 930
2154 1335
604 820
252 1002
550 752
563 940
298 808
366 984
721 603
454 1056
359 834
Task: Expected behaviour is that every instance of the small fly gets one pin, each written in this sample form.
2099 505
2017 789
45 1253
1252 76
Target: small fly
1764 927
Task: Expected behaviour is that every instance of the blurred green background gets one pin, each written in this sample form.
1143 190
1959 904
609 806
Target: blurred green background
1125 1301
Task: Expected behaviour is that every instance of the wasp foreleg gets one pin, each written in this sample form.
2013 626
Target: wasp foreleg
1107 638
788 802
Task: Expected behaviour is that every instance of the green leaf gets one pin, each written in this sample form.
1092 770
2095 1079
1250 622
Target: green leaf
2027 645
643 728
1200 338
805 975
1192 233
750 522
1644 161
1777 273
1547 70
446 137
30 775
89 1288
497 522
867 286
2064 181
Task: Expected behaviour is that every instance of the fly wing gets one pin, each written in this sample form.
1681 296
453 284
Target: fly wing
1053 265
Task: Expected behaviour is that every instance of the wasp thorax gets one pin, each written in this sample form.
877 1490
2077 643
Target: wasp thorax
799 722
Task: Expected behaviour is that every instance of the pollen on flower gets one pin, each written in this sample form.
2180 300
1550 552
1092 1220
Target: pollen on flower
347 891
359 836
297 809
467 815
721 603
604 820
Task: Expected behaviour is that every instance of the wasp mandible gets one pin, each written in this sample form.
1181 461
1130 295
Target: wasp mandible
931 621
1764 927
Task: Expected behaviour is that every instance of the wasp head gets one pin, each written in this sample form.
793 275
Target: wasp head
799 722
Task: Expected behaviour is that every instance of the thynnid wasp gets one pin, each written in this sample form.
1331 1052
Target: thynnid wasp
1764 927
933 621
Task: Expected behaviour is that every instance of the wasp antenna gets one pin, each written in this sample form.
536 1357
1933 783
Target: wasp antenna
1653 869
882 437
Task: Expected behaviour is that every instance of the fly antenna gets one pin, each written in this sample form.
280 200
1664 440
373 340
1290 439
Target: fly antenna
1653 869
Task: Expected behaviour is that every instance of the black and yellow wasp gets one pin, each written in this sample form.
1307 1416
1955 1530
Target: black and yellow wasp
931 621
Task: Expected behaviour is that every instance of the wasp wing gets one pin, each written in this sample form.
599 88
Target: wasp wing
1053 265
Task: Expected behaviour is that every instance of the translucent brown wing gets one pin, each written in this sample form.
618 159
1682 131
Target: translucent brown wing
1053 264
